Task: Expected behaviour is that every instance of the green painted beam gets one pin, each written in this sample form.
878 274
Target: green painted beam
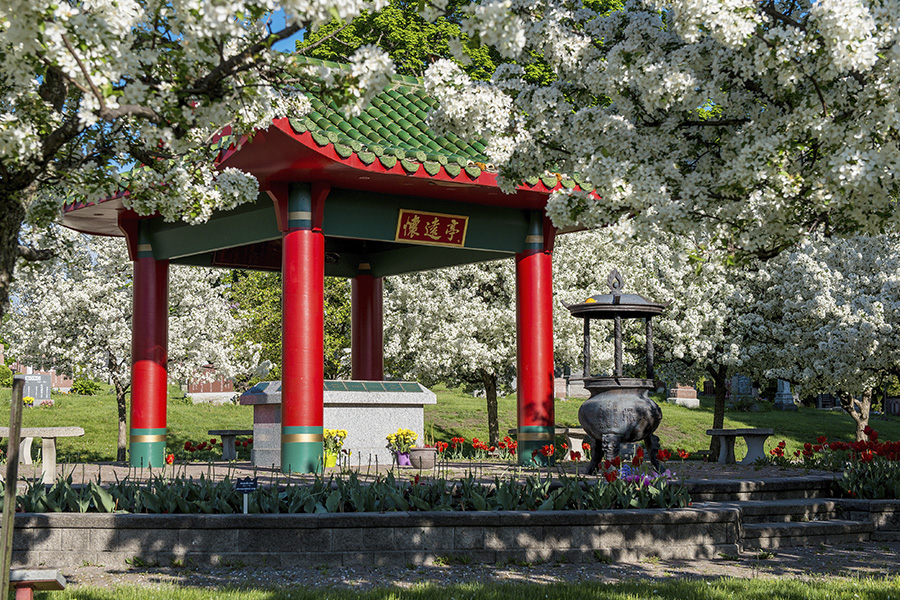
423 258
368 216
246 224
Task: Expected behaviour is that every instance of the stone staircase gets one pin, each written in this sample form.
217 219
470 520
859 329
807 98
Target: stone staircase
783 513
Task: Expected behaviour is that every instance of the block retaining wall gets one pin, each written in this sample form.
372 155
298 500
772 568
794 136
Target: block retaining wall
361 539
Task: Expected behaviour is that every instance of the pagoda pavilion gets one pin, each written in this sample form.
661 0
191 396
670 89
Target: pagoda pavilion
363 198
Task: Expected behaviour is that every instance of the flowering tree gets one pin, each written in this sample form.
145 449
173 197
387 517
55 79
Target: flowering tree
754 122
74 314
88 87
825 315
699 333
459 324
455 325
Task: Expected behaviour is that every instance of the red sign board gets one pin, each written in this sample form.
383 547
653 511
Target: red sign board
431 228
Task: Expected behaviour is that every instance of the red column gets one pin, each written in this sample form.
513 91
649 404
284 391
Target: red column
367 327
149 342
534 345
303 327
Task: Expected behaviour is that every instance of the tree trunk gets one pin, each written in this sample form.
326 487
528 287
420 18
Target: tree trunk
122 407
490 393
12 214
719 380
858 409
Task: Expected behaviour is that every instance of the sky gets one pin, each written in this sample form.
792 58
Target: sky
286 45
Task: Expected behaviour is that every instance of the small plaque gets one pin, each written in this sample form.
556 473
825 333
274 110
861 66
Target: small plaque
434 229
246 485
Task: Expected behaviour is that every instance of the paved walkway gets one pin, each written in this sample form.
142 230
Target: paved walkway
851 560
806 563
111 472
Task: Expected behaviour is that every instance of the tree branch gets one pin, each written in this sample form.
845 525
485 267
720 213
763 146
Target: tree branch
34 254
224 69
84 71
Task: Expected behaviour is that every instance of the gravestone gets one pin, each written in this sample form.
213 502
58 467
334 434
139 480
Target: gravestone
784 398
575 388
742 393
37 387
683 395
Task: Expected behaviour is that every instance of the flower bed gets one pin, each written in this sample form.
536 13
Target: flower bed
871 468
159 494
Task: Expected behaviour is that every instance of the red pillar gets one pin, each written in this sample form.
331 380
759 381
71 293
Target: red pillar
367 327
303 327
534 347
149 347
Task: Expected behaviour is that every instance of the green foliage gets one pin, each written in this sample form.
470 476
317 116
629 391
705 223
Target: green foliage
337 327
387 493
6 376
411 41
85 387
876 480
257 295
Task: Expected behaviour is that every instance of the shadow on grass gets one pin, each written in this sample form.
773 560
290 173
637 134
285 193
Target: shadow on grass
712 588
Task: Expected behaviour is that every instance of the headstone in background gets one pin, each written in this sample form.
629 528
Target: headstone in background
683 395
743 395
576 387
709 387
37 387
784 399
892 405
827 401
560 388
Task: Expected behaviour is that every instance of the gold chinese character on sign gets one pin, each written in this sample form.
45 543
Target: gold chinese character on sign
452 230
431 230
411 227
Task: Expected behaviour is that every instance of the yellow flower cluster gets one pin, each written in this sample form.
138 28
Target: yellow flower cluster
401 441
334 440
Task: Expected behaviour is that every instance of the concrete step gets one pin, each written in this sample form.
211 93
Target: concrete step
729 490
796 510
780 535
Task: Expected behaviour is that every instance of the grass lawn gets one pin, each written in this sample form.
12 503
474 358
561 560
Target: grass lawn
98 416
455 414
694 589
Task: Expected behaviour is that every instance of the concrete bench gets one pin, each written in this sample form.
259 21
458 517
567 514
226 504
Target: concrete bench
574 435
25 581
48 437
228 450
755 438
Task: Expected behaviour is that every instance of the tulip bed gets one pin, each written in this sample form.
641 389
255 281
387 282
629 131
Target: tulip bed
871 468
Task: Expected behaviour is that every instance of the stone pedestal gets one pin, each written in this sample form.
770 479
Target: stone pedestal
368 410
784 399
683 395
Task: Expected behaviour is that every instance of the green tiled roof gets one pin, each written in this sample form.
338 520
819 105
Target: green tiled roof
393 128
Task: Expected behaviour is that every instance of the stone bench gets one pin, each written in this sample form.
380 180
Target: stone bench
229 452
574 435
755 438
48 437
25 581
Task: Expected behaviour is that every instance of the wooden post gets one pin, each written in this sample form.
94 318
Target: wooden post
12 476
